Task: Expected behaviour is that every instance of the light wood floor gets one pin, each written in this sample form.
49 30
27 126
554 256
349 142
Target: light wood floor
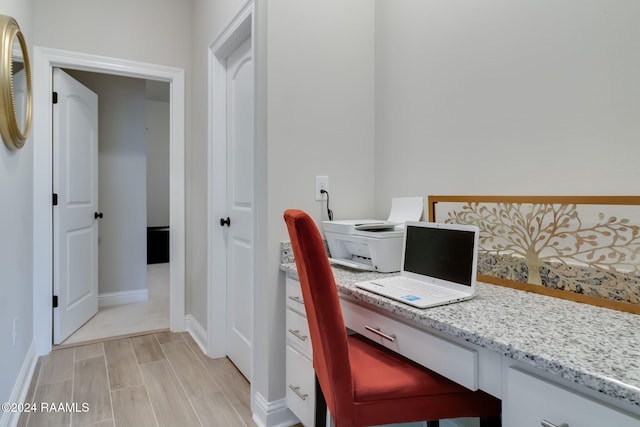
161 379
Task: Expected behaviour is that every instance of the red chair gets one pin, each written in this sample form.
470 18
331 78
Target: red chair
364 384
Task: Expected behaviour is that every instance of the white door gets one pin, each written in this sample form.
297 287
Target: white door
75 226
240 206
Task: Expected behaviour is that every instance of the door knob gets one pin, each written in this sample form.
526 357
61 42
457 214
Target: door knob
225 221
97 215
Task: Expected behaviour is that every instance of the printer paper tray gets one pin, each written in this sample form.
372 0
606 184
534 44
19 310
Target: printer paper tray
351 264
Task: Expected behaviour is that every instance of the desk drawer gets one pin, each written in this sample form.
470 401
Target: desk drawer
451 360
298 333
294 296
529 400
300 395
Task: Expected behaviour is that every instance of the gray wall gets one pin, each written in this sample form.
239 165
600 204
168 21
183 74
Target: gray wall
158 156
16 237
502 97
122 180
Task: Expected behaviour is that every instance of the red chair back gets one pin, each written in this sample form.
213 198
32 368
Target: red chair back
324 315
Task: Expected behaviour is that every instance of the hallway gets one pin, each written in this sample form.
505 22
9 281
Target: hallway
131 319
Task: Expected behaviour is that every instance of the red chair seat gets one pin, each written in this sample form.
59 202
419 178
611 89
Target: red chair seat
390 389
378 375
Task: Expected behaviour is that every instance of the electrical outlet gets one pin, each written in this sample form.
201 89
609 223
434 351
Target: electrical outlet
322 183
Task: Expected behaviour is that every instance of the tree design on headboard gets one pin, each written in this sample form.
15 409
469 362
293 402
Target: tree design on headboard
549 244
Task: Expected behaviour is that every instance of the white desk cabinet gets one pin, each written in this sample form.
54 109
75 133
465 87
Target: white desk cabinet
532 401
528 399
300 376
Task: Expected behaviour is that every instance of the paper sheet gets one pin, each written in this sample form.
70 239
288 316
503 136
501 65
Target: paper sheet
406 209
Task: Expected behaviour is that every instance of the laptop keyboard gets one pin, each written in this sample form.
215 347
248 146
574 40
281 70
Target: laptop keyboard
416 287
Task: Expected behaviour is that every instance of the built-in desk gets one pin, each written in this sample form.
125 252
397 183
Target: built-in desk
546 358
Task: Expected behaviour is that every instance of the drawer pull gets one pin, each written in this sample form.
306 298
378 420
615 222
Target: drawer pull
545 423
296 299
297 334
377 331
296 390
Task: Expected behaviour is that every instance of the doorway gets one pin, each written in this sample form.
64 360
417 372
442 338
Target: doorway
132 178
44 61
232 199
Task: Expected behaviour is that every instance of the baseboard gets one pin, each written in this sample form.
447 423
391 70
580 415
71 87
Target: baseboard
197 332
21 387
272 414
123 297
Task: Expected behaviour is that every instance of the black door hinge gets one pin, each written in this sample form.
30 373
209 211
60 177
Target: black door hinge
54 99
55 301
55 199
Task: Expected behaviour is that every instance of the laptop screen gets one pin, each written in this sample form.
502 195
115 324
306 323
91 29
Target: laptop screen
442 253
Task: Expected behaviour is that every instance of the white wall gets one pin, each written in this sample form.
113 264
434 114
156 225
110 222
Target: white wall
16 243
320 106
122 180
158 155
320 121
503 97
152 31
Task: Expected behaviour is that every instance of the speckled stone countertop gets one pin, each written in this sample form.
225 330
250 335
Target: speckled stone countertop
594 347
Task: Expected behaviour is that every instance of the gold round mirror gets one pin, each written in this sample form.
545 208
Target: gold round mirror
15 85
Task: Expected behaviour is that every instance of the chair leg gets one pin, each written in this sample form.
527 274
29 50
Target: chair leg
491 422
435 423
321 407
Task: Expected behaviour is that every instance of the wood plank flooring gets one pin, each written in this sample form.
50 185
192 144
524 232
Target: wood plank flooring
160 379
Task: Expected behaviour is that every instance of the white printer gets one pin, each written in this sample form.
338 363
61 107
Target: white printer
370 244
364 244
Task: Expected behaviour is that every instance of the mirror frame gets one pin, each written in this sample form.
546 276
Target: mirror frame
13 135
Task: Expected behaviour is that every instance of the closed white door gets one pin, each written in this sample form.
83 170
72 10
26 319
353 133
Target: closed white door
75 217
240 245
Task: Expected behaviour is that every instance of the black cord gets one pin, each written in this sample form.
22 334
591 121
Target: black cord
329 211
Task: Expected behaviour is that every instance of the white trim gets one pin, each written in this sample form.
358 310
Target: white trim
44 59
272 414
21 387
108 299
238 30
262 264
197 332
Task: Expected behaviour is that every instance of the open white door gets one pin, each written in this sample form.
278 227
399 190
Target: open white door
240 245
75 217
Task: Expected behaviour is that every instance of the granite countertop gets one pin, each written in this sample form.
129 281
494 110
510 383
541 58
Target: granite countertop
594 347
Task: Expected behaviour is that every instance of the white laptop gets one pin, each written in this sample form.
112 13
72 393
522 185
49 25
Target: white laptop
439 263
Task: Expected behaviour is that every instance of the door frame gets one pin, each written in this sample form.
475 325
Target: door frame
44 60
241 27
